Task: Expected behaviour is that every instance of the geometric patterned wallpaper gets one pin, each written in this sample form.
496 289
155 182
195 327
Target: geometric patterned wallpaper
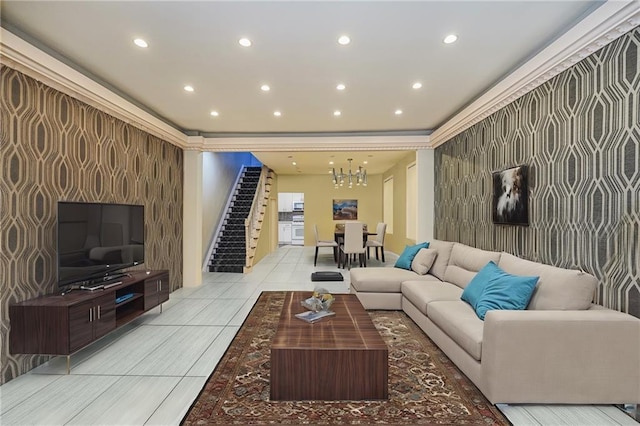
579 133
54 147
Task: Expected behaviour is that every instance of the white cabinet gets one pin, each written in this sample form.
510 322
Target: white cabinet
284 232
285 201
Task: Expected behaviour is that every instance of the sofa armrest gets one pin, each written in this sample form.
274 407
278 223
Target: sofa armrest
590 356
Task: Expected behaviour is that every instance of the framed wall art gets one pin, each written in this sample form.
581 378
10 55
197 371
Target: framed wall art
345 209
511 196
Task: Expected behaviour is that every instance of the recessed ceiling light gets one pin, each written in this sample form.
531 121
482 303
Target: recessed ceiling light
365 162
398 112
277 113
337 113
214 113
244 42
330 171
265 88
188 88
417 85
451 38
140 42
294 163
344 40
341 86
330 162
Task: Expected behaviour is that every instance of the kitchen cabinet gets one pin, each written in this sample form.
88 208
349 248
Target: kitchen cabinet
297 197
285 201
284 232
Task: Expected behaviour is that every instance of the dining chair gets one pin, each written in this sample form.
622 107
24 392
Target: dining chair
324 243
353 245
378 241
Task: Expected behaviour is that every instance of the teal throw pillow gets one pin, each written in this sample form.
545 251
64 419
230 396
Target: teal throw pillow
506 291
474 289
405 259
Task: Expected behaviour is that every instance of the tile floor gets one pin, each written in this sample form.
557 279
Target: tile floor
151 370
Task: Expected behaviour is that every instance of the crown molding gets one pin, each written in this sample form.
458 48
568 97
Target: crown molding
29 60
311 143
607 23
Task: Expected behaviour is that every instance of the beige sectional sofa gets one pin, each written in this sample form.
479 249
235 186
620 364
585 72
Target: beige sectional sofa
561 349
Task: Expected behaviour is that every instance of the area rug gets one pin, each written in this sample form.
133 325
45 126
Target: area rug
424 385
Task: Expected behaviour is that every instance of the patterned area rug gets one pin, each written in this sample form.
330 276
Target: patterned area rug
424 385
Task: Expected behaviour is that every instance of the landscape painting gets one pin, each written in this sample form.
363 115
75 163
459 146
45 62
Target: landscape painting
345 209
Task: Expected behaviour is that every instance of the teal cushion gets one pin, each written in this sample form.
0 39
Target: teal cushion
505 291
474 289
405 259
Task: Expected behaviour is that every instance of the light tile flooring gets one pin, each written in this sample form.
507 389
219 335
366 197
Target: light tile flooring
151 370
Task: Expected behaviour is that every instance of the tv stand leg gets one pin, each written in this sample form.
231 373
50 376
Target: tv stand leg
68 364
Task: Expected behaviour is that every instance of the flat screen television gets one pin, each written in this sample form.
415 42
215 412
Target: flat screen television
95 241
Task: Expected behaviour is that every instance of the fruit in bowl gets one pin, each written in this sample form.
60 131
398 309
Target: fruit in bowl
321 300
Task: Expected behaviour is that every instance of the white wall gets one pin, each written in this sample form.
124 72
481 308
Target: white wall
425 160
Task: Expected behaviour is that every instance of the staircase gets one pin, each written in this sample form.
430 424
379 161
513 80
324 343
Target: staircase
230 252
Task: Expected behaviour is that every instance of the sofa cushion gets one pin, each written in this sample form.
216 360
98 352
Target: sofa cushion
442 259
459 321
465 262
558 288
504 291
383 280
405 259
474 289
423 260
421 293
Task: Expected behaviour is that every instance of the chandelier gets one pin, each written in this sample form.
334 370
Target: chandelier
359 177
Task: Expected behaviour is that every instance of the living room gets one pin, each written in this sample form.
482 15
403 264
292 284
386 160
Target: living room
575 125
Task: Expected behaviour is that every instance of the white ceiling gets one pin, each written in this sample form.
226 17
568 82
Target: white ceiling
295 52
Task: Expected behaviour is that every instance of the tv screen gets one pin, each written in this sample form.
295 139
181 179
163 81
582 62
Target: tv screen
95 240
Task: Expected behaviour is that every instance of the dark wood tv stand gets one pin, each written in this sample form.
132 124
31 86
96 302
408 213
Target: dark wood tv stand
63 324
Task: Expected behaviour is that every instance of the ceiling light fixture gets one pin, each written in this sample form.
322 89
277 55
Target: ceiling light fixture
337 113
341 86
140 42
398 112
188 88
344 40
294 163
265 88
214 113
339 179
451 38
244 42
417 85
277 113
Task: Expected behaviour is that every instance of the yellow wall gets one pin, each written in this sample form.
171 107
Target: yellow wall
318 202
398 240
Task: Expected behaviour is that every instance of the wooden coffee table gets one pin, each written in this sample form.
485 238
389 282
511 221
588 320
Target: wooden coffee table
341 357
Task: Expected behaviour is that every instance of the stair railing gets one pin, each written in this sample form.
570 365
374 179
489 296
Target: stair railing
252 222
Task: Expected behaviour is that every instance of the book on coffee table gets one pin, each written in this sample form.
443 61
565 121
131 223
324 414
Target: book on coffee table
310 316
